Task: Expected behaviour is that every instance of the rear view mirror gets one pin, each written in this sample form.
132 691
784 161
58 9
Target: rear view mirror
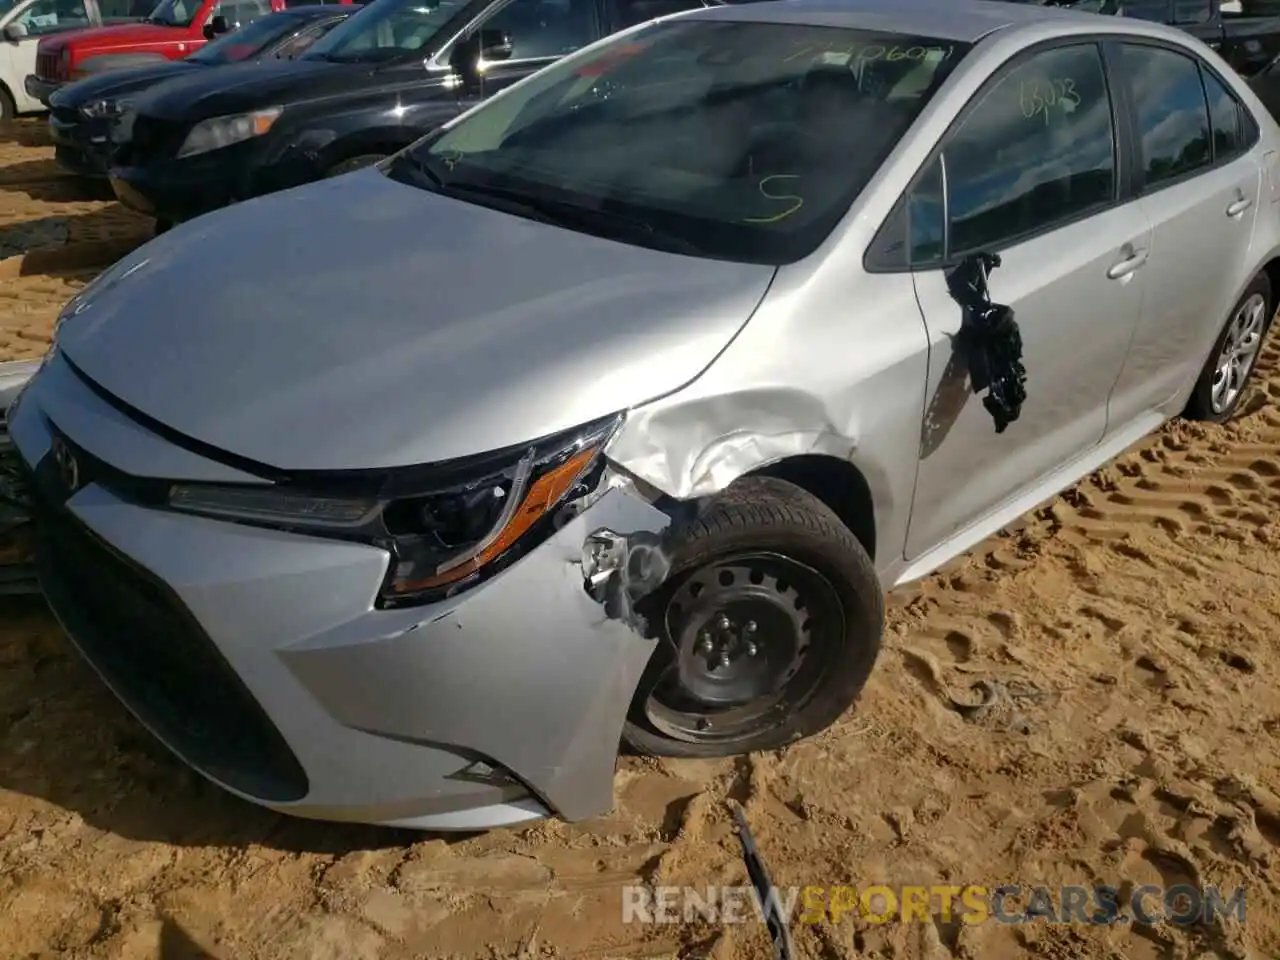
216 27
14 32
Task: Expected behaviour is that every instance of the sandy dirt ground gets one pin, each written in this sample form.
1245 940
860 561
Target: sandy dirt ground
1127 632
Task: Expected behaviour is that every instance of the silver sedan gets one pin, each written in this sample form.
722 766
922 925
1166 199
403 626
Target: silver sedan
608 412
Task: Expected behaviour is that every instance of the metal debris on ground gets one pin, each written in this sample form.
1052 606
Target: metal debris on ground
770 907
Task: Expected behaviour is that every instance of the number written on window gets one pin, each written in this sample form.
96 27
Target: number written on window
1040 98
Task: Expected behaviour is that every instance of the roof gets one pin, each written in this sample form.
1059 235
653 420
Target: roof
964 21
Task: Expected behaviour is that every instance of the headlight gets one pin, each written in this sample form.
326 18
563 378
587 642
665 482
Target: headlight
219 132
444 531
104 109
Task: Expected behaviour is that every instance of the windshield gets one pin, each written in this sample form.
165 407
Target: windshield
739 141
246 41
385 30
174 13
6 6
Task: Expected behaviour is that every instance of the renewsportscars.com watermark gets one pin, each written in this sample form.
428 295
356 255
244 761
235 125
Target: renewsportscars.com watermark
1182 905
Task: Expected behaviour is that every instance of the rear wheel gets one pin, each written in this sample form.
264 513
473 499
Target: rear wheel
7 109
770 624
354 163
1235 353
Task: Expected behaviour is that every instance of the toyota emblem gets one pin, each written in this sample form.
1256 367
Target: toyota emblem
68 467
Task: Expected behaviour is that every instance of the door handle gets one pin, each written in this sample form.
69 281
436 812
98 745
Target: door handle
1127 265
1239 207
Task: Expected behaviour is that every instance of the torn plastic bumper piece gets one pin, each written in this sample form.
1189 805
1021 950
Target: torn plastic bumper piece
17 571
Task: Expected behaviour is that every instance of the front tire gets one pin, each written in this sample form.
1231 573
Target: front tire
1235 353
8 111
770 623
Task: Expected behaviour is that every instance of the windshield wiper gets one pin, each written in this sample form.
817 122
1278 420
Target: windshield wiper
419 172
560 213
566 213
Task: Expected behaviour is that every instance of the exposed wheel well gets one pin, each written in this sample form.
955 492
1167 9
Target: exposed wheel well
838 484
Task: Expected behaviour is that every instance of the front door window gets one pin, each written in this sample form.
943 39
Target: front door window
52 16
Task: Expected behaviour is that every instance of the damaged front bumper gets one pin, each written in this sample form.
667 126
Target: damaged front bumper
17 571
258 656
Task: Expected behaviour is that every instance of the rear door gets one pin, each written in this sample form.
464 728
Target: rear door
1030 172
1201 187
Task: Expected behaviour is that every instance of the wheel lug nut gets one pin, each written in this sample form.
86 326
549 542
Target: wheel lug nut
750 626
723 622
724 659
751 649
704 643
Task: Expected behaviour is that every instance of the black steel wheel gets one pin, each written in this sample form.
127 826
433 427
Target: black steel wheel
770 625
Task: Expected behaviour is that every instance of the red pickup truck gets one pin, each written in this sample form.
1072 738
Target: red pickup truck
173 30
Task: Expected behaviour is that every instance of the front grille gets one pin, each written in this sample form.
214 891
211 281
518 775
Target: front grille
151 139
49 66
154 654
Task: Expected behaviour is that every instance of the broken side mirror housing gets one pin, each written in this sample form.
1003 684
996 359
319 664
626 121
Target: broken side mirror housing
13 32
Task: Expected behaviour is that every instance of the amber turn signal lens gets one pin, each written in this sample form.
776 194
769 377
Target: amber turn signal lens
544 494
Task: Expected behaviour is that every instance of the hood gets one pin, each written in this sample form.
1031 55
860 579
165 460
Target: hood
238 87
361 323
123 36
114 83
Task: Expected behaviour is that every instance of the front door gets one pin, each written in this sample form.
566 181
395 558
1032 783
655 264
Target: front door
541 32
1030 172
40 18
1201 189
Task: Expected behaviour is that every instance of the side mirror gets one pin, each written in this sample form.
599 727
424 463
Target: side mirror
485 45
14 32
495 45
216 27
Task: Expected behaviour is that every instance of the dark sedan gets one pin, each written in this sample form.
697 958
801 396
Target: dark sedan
82 113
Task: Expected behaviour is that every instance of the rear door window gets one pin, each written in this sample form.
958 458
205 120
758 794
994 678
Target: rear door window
1173 116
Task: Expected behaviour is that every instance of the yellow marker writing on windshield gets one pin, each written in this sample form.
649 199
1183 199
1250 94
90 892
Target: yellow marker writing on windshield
799 201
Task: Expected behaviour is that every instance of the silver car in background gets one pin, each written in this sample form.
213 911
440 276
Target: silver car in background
632 392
